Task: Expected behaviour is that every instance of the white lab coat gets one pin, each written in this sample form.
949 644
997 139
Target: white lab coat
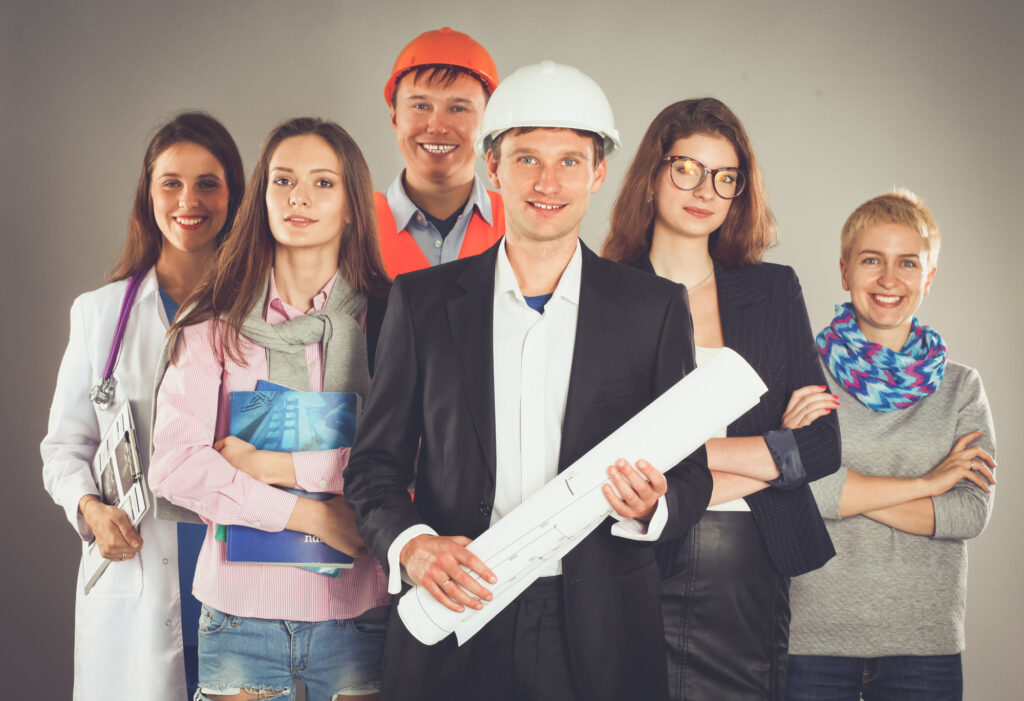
128 629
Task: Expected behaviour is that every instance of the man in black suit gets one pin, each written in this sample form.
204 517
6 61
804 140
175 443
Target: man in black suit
502 370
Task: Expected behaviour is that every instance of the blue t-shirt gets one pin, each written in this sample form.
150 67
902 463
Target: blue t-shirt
537 302
170 306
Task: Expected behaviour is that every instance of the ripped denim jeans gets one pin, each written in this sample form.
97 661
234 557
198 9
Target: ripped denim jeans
265 656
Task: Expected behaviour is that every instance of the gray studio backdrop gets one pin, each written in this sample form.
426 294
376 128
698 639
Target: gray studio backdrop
843 100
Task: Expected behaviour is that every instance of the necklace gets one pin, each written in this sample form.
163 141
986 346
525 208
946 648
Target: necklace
691 288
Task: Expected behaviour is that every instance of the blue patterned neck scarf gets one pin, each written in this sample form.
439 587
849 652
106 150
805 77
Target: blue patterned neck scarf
881 378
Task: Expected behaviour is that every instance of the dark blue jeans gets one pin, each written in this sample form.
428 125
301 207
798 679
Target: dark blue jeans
898 678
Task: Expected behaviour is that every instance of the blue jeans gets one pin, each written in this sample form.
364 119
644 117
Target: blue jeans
897 678
330 657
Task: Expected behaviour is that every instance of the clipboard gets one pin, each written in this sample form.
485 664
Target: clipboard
119 476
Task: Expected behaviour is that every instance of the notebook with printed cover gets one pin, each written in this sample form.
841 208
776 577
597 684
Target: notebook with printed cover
119 477
280 419
285 547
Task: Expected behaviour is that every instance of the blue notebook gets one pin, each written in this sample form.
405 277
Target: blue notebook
277 418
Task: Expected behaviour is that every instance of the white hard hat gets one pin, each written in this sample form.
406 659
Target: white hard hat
548 94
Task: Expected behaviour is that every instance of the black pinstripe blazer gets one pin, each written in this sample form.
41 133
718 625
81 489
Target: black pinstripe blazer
764 319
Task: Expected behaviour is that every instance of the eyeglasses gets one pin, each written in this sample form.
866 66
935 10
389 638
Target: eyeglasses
688 174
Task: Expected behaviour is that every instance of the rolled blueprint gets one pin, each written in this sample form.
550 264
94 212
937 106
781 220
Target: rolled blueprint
553 520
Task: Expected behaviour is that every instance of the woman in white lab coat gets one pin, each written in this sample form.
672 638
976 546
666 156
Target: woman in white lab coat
128 629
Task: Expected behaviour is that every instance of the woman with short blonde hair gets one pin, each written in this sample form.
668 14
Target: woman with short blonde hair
885 618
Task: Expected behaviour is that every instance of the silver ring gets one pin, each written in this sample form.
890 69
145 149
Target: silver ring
441 585
124 556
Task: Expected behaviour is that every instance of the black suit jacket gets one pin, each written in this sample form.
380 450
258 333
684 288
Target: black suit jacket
764 319
434 388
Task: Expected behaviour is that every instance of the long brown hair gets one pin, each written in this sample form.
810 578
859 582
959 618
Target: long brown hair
749 228
239 277
144 241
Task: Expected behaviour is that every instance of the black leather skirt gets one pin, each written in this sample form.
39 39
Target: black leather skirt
726 613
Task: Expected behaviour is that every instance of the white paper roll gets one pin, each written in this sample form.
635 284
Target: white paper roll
552 521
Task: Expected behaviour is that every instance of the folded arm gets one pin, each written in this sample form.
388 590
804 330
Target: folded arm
916 516
185 468
805 447
188 470
952 500
309 470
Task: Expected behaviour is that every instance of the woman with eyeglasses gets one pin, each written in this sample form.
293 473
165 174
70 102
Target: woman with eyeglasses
885 618
693 209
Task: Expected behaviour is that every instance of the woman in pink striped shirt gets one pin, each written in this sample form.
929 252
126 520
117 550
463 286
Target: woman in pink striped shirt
293 297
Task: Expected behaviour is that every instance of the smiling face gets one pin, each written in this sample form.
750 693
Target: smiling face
888 274
435 125
546 177
306 204
699 212
189 193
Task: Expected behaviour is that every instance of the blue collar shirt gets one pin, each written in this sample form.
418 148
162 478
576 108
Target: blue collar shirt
436 249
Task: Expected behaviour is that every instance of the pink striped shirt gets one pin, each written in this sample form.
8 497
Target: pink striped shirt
193 411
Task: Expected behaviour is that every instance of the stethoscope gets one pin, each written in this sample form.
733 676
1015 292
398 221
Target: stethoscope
102 394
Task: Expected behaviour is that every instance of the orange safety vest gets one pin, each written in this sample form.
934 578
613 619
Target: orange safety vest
402 254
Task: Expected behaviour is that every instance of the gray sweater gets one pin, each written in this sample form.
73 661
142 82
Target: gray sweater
887 592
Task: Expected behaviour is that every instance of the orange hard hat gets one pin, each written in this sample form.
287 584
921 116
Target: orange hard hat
444 47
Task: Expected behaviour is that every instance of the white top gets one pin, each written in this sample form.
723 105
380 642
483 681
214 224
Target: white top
533 361
128 629
703 355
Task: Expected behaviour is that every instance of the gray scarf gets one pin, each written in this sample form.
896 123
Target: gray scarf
342 341
336 328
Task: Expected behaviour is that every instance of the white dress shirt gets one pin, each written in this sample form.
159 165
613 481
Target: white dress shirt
532 365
